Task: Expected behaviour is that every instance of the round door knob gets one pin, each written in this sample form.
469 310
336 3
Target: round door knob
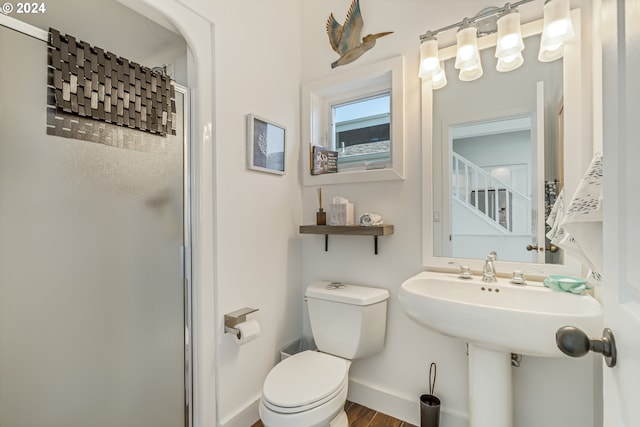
575 343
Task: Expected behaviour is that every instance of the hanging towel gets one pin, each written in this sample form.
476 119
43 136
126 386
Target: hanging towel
582 222
555 218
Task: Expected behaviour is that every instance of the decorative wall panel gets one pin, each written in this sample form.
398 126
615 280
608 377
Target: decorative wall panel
89 82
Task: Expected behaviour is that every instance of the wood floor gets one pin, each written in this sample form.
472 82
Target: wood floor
360 416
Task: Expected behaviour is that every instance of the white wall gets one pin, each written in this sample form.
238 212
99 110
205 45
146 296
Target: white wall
257 260
393 380
262 53
497 149
399 373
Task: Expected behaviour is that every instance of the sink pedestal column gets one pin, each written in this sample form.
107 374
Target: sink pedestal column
490 388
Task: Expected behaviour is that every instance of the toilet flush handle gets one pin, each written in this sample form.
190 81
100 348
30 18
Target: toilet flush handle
336 285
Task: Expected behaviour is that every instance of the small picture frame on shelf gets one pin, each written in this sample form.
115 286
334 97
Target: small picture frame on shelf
266 143
323 161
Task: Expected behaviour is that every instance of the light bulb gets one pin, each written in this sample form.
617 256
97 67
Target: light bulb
510 63
509 35
468 55
471 73
439 80
429 62
556 31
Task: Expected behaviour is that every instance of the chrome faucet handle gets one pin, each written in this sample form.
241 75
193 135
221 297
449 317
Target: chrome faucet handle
493 255
465 271
518 276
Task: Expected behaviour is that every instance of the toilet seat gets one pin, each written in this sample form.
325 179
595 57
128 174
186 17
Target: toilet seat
304 381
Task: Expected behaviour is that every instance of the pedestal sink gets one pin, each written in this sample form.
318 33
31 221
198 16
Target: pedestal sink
496 319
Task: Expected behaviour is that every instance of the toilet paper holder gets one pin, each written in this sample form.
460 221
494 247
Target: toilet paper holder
234 318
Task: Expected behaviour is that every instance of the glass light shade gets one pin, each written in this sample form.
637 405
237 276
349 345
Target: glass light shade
471 73
429 62
510 63
557 30
467 55
439 80
509 35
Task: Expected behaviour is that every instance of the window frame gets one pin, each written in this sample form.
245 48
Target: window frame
317 98
361 163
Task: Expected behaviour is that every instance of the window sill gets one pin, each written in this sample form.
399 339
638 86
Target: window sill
347 177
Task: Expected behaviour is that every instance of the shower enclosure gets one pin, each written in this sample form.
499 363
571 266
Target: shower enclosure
94 275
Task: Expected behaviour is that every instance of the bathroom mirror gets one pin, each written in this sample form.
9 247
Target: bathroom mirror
496 158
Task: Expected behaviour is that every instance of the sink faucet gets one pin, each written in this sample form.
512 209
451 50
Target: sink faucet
465 271
489 270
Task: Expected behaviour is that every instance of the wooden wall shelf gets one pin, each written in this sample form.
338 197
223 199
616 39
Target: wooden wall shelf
348 230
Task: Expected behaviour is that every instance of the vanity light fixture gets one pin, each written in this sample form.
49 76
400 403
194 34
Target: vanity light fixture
468 55
429 62
556 31
510 45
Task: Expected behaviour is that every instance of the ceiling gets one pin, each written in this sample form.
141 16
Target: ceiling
109 25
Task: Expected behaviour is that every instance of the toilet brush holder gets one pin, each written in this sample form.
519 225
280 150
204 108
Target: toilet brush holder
429 411
429 403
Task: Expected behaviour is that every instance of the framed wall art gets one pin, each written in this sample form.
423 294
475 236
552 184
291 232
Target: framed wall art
266 142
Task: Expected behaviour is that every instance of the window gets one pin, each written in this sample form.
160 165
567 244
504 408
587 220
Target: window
361 131
360 114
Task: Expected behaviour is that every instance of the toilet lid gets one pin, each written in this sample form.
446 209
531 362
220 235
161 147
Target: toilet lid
304 379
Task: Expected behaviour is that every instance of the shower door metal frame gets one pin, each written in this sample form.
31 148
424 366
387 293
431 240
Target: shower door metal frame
185 252
186 256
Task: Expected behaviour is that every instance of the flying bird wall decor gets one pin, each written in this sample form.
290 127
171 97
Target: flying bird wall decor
345 39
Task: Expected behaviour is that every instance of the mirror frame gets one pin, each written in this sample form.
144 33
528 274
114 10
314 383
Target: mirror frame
574 76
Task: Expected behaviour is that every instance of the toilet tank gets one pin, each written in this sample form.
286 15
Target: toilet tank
348 321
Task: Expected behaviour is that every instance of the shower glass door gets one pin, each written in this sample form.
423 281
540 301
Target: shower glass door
92 306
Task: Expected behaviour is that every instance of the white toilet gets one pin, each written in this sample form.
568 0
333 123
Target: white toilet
309 389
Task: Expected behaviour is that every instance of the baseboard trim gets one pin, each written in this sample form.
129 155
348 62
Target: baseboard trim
244 417
405 408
